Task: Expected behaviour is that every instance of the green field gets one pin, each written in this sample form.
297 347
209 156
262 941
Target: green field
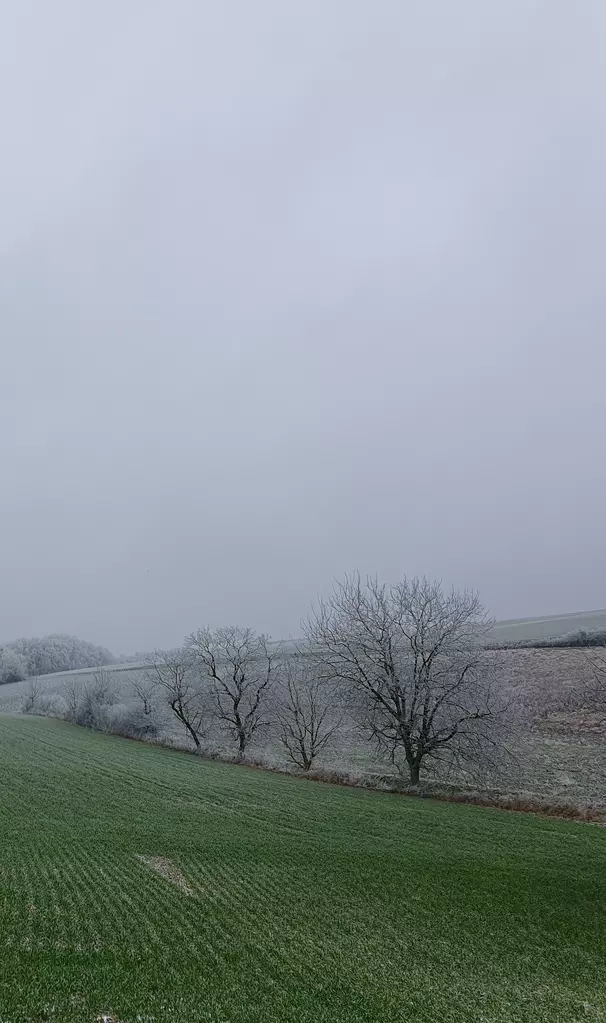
286 900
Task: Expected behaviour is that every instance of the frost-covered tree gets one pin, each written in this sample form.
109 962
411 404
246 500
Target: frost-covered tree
174 672
410 659
306 710
13 666
237 667
57 652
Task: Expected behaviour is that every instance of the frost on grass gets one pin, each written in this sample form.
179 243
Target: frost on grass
167 869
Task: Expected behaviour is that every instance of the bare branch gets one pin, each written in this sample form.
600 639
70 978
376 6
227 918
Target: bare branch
411 655
72 694
145 688
307 725
34 691
238 666
174 671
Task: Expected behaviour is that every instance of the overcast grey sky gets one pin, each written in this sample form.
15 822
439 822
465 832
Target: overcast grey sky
293 288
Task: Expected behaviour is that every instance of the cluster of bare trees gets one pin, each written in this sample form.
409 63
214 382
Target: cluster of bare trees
236 678
407 662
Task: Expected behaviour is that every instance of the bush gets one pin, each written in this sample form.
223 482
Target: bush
48 705
129 721
88 705
93 706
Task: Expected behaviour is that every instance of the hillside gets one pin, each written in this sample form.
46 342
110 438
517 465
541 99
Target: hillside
148 884
553 754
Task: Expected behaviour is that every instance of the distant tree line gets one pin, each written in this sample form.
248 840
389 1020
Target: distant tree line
24 658
577 638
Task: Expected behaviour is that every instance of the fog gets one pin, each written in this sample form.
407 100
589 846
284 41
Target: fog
292 289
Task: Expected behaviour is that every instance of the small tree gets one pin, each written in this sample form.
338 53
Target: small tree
238 665
94 699
34 691
72 694
174 671
145 688
410 658
306 711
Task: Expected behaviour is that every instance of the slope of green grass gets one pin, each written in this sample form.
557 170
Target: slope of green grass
303 902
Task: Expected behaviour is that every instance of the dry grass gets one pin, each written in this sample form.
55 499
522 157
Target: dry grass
541 680
167 869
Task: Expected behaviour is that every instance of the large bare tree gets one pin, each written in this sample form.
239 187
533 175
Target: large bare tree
409 658
175 672
238 665
307 714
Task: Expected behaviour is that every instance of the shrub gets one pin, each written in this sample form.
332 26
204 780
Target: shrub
49 705
129 721
88 704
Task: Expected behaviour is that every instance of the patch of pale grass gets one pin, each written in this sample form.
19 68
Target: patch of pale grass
167 869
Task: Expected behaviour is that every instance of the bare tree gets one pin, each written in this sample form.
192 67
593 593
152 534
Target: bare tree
72 694
34 691
145 688
238 665
102 687
94 699
306 712
175 673
410 657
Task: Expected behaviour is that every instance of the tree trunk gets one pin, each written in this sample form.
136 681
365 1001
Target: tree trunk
182 717
415 769
193 734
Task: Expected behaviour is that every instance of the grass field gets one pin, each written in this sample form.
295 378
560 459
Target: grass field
277 899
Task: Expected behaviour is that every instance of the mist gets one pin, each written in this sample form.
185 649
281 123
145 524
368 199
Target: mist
291 290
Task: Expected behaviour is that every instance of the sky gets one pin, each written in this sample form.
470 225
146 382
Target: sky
288 290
